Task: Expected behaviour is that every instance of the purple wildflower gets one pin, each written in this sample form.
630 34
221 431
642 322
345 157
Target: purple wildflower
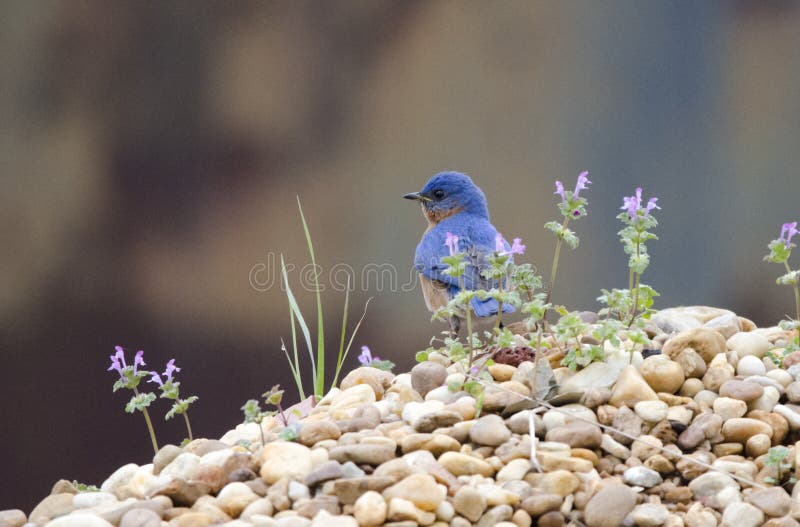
583 183
118 361
138 361
651 204
500 246
154 377
170 368
499 243
633 204
560 191
788 230
451 241
474 370
366 357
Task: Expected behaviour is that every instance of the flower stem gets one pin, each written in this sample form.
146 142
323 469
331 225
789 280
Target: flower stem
469 336
635 307
796 293
188 426
499 306
467 308
554 269
149 425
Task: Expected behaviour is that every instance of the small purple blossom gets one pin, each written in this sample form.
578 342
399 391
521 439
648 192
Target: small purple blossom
170 369
138 361
633 204
583 183
474 370
788 230
500 246
560 191
451 241
118 361
651 204
154 377
499 243
366 357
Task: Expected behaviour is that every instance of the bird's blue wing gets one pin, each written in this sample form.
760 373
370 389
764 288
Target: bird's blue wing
474 240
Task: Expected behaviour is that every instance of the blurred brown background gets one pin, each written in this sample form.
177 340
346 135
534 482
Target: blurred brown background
151 153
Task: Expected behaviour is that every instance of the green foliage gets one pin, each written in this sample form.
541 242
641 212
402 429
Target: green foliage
83 487
140 402
776 459
317 361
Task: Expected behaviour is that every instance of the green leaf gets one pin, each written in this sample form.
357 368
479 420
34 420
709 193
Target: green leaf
319 377
294 310
421 356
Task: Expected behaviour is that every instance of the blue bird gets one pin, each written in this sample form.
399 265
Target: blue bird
452 203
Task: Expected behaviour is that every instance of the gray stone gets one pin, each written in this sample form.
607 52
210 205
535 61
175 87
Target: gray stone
426 376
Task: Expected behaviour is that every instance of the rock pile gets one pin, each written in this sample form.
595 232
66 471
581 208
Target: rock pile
406 451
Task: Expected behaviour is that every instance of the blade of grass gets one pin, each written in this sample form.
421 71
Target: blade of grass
339 357
300 320
352 338
319 377
298 381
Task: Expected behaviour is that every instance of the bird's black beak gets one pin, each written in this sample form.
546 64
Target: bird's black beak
416 196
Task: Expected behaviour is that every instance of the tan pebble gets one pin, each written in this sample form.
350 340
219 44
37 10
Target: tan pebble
502 372
690 387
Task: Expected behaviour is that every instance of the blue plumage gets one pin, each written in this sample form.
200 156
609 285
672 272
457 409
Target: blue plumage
452 203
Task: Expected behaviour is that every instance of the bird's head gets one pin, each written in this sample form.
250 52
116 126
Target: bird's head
449 193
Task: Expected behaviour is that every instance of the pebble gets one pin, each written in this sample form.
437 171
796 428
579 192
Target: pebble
282 459
420 489
642 477
741 429
631 388
489 430
426 376
140 518
12 518
469 503
663 374
742 390
774 501
79 519
749 343
463 465
706 342
742 515
649 515
651 411
610 506
577 435
370 509
728 408
750 365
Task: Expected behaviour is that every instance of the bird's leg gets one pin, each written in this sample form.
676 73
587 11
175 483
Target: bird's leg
455 325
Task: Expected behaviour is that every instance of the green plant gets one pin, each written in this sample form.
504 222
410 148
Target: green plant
129 378
296 318
170 389
629 304
572 206
253 412
776 459
780 250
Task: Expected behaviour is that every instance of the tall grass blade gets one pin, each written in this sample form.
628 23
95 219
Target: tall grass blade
340 358
319 376
300 320
295 367
350 342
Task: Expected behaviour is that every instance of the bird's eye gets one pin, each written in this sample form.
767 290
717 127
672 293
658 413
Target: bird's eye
438 194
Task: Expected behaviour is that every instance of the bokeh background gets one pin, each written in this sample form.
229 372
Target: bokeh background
151 153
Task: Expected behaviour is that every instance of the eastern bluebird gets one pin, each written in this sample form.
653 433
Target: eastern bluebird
452 203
